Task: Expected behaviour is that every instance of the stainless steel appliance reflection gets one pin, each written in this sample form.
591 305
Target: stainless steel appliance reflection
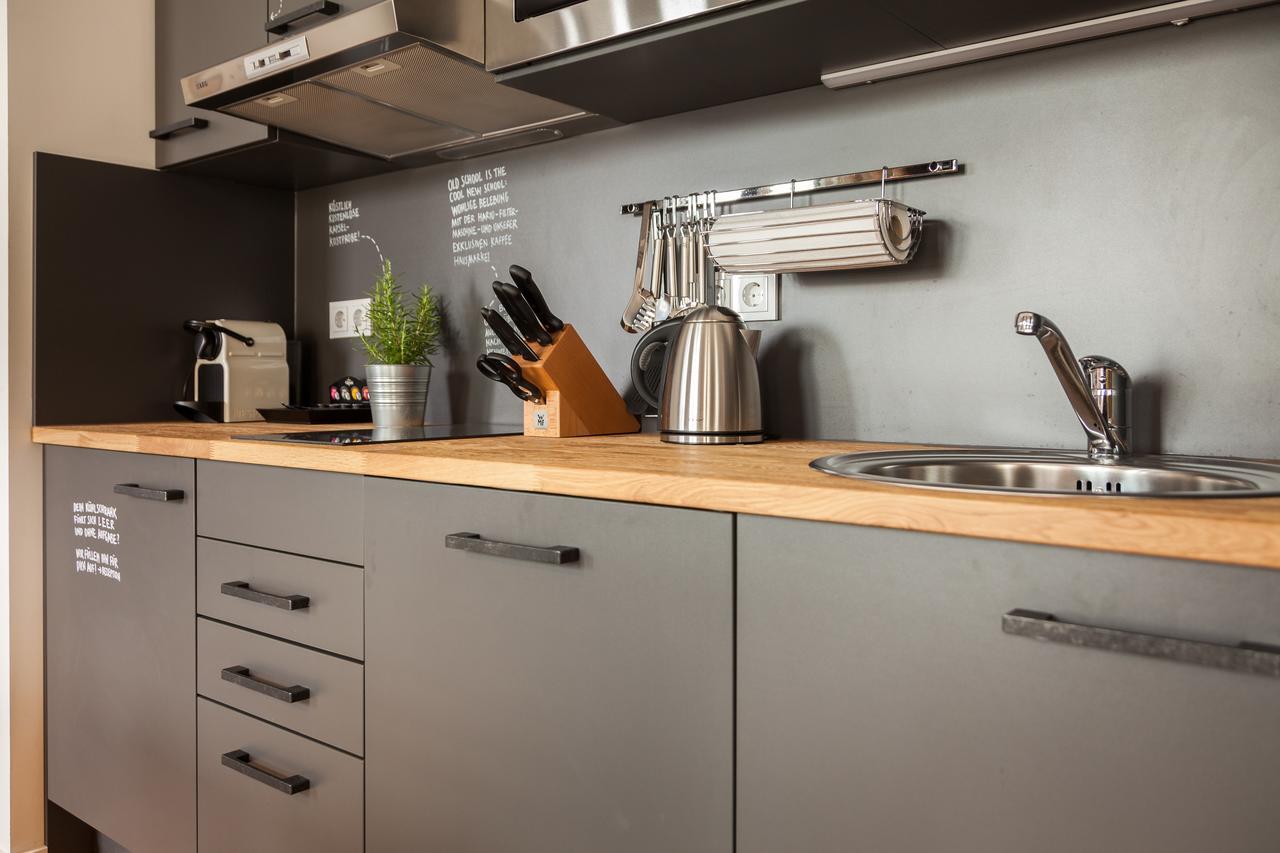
522 31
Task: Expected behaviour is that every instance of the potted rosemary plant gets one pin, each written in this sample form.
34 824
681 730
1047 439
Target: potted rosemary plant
400 337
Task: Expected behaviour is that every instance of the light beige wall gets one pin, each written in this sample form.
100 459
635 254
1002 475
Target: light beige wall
96 100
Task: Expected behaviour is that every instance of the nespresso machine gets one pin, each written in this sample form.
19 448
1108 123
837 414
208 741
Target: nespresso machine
240 367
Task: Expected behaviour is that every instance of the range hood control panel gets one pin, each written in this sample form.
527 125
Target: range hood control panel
281 54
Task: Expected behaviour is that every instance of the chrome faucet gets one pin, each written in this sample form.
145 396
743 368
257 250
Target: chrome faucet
1096 386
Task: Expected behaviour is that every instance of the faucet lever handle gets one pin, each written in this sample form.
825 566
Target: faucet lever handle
1108 383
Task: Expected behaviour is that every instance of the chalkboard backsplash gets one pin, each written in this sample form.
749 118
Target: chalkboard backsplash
1144 224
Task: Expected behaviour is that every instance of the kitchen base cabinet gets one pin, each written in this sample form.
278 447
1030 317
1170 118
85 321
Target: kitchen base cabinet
526 698
120 644
267 790
881 706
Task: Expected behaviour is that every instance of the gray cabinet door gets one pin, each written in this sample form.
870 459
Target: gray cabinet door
881 707
267 790
285 10
192 35
524 707
120 645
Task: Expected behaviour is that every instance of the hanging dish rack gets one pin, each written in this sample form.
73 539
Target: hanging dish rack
692 242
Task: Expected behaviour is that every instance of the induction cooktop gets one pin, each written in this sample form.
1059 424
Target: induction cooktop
388 435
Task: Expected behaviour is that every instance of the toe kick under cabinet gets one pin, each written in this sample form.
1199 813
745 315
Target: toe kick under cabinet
887 700
546 674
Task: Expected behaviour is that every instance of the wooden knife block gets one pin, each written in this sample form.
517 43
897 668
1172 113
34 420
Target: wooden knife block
580 399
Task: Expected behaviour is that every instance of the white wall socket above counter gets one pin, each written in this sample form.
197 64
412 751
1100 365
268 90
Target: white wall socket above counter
347 316
754 296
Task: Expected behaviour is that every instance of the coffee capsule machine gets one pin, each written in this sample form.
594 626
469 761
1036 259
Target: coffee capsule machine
240 367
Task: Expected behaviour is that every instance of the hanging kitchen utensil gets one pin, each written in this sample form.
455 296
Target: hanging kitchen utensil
638 316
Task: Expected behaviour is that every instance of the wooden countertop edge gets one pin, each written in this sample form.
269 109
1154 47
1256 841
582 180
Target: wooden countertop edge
1140 527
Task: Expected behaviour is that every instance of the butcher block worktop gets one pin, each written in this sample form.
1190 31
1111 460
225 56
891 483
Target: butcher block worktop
767 479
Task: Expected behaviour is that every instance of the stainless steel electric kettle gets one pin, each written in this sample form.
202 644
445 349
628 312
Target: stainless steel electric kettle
710 388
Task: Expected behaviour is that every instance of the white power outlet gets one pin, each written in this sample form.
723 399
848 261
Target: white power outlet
753 296
348 316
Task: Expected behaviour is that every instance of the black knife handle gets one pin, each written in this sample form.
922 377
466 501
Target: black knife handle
533 295
512 341
521 314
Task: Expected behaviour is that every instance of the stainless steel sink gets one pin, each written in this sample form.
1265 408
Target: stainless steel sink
1059 473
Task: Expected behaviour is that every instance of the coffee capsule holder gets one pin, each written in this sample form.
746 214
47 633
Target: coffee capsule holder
579 398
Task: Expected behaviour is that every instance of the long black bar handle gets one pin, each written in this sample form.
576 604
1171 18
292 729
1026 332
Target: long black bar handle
1254 658
238 760
280 26
556 554
241 589
192 123
133 490
242 677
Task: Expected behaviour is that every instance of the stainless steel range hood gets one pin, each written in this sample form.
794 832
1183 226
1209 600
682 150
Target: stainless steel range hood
402 80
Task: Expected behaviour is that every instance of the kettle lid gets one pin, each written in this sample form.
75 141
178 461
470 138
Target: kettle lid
713 314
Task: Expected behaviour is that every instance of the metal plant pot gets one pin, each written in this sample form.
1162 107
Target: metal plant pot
398 393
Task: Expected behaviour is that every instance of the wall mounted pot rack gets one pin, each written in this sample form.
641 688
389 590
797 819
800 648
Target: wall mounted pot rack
883 174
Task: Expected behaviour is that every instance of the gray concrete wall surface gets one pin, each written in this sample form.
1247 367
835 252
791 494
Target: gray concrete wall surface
1126 187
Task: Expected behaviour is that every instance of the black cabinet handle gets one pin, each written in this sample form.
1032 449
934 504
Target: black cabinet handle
240 675
133 490
169 130
280 26
555 554
241 589
1254 658
238 760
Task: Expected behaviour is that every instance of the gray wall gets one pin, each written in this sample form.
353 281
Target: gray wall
1126 187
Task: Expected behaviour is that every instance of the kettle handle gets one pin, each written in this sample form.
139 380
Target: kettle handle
662 333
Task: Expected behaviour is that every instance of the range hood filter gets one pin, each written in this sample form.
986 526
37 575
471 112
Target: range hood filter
340 118
428 83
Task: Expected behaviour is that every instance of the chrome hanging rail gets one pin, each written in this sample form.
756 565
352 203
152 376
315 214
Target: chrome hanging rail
791 188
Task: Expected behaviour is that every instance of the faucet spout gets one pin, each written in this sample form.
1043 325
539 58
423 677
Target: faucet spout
1107 440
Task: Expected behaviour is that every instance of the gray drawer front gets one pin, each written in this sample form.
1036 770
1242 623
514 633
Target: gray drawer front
334 710
333 619
880 701
120 650
314 513
239 814
591 703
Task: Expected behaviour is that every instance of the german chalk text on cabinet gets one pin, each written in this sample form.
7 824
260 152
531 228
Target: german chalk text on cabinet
120 644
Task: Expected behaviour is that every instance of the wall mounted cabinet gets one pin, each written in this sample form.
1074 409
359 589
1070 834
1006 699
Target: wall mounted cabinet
762 47
192 35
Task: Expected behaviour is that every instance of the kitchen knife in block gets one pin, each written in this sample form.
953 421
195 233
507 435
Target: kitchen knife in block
580 399
529 290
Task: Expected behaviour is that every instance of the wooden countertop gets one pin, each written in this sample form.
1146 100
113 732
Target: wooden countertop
769 479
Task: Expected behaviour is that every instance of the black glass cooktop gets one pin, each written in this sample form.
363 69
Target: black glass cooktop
387 435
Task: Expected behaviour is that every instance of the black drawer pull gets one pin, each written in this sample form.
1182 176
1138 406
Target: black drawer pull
1255 658
241 589
555 554
133 490
240 675
280 26
177 127
238 760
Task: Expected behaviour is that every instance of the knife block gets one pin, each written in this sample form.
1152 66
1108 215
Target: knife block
580 399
